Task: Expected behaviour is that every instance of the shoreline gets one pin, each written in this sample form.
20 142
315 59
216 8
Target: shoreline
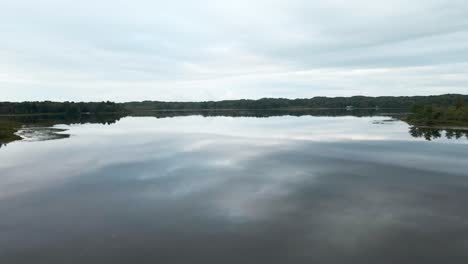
441 125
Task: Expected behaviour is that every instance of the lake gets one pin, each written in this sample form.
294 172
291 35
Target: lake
234 189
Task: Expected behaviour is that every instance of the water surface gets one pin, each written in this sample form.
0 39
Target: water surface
194 189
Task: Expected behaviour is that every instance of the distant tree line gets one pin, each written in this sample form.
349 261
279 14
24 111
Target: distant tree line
401 102
68 108
77 108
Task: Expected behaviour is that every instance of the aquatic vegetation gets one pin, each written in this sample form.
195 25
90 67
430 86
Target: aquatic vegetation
8 130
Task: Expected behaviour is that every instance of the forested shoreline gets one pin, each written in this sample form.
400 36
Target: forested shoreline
401 102
430 115
441 110
68 108
77 108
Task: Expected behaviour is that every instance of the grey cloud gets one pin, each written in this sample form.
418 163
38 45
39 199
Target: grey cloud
199 50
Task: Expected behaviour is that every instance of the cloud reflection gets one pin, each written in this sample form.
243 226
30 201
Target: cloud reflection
206 195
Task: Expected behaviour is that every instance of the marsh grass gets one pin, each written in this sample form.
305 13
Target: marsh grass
7 131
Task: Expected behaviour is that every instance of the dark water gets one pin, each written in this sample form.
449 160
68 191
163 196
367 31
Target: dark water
198 189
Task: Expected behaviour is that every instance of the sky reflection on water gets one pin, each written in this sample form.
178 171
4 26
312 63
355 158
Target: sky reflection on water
235 190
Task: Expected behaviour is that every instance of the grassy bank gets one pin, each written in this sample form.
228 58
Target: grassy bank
8 130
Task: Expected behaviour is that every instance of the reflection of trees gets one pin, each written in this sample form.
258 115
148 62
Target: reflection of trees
434 133
456 134
50 120
265 113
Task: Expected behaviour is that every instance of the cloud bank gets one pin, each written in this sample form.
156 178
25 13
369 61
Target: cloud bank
211 50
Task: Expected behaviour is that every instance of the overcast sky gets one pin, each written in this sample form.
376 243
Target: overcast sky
211 49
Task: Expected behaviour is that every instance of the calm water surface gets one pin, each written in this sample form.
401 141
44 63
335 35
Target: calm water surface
235 190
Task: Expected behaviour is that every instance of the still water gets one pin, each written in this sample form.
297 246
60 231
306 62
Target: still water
195 189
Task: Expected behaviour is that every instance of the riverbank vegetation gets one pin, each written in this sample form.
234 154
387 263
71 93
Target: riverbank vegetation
8 130
430 115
